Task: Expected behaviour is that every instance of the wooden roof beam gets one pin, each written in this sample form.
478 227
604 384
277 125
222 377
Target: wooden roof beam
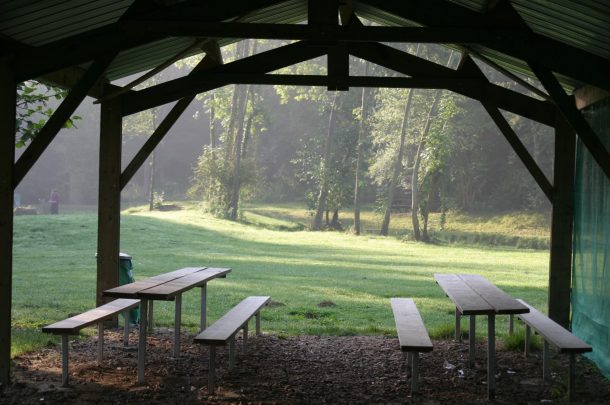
405 63
195 83
554 55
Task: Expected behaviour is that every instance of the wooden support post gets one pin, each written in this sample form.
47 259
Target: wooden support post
511 324
109 199
203 316
126 328
560 271
571 377
491 357
472 340
211 370
100 342
546 360
8 101
258 323
177 321
414 372
232 353
64 360
245 339
142 340
528 336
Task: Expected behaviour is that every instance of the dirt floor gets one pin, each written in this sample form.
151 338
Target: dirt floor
293 370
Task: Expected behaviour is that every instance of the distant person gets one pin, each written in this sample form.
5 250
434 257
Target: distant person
16 200
54 201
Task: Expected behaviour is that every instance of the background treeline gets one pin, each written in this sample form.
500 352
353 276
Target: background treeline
394 148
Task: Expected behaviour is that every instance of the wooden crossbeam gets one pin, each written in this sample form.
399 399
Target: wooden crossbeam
58 119
212 59
196 83
567 107
473 87
527 46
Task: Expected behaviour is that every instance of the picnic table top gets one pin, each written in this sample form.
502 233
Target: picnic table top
167 285
475 295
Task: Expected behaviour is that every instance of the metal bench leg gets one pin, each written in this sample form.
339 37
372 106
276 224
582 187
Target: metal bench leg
258 323
212 369
571 378
142 339
511 324
491 356
151 319
126 328
245 345
407 357
100 342
177 321
414 372
546 375
64 360
203 319
528 336
471 340
232 353
458 325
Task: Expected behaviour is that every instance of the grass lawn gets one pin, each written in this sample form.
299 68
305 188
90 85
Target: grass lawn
55 272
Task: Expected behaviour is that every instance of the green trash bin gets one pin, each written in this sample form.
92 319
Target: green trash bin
126 277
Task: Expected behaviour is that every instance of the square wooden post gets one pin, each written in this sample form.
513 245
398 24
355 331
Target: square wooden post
560 271
109 198
8 102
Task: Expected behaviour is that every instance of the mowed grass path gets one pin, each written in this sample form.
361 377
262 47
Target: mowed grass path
55 272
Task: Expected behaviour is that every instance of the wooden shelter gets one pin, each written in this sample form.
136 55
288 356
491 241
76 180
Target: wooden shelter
84 45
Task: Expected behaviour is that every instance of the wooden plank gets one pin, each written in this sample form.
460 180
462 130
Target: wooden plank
562 222
132 289
498 299
8 101
412 333
72 325
224 328
168 291
465 298
562 338
109 198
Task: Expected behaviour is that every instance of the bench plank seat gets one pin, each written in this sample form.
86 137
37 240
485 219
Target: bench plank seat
128 290
412 334
554 333
227 326
167 291
72 325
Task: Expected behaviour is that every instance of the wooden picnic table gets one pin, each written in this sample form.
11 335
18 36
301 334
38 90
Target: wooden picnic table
474 295
166 287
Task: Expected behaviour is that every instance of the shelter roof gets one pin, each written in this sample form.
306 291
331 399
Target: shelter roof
583 24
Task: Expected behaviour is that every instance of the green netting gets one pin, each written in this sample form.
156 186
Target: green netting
591 278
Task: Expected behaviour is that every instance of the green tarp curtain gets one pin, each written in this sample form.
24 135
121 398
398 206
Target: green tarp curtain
591 270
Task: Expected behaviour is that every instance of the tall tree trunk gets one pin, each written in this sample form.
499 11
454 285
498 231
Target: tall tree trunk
325 163
213 125
334 222
385 224
360 152
247 135
151 182
238 141
415 193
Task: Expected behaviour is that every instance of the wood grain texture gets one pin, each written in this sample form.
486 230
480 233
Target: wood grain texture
412 333
227 326
498 299
131 290
168 291
554 333
72 325
464 297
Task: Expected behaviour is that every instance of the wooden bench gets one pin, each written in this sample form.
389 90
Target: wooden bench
223 331
412 334
73 325
560 337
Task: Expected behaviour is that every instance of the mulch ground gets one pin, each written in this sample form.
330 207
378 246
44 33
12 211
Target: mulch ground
293 370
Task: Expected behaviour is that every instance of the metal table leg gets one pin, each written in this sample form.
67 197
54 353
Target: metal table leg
142 339
203 320
458 325
491 356
177 321
471 340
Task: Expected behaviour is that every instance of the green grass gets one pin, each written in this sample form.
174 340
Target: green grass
528 230
55 272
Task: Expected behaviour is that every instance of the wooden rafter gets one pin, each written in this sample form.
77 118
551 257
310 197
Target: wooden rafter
527 45
196 83
59 118
213 58
567 107
405 63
